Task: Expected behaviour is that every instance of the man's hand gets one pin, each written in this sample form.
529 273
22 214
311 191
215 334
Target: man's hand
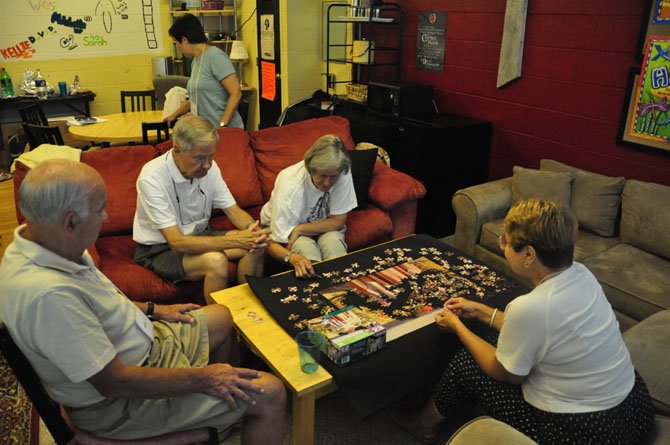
232 384
176 313
254 238
303 266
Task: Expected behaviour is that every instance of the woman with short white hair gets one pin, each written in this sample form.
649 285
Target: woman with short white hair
308 208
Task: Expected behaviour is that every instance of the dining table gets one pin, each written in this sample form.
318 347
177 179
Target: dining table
116 128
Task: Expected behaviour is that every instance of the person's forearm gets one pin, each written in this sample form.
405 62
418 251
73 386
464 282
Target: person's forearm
277 251
231 107
150 383
196 245
490 316
330 224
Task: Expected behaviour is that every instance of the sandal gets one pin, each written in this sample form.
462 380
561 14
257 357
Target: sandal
411 424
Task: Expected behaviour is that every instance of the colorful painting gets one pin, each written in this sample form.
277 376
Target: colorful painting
652 109
662 12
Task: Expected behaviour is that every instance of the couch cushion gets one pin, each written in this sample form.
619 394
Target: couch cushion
139 283
649 347
238 166
635 282
595 198
528 183
279 147
119 168
367 227
645 217
362 165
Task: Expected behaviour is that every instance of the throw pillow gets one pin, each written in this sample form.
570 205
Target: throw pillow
362 165
528 183
595 198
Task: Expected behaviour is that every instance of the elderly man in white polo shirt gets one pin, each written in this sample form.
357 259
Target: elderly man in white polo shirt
176 193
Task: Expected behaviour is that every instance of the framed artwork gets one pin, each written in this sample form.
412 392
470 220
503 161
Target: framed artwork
655 21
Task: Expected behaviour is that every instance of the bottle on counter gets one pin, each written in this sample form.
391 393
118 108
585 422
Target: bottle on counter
40 85
7 89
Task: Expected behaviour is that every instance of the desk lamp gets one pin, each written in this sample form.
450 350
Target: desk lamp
239 55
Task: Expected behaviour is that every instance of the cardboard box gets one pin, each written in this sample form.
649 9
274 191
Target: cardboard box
350 335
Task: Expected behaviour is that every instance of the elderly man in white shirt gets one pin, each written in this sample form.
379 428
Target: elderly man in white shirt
176 193
308 207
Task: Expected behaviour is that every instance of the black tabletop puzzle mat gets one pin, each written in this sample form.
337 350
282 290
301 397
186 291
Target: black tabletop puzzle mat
392 283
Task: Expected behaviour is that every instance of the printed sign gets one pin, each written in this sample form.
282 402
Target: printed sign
430 39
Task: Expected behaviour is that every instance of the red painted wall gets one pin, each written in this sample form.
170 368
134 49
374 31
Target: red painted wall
567 103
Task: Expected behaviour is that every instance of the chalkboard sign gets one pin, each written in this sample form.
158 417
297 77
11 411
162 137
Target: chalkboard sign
49 29
430 41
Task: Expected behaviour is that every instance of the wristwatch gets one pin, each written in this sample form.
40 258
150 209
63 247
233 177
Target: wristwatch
287 258
150 310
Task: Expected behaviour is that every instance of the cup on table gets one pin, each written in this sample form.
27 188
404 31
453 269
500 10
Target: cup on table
309 348
62 86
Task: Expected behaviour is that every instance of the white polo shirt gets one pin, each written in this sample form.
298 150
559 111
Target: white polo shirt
68 319
165 199
294 196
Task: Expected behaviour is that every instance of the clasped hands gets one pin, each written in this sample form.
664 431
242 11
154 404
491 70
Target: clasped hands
254 238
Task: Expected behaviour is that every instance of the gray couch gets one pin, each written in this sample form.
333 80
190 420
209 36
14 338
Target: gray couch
624 239
624 236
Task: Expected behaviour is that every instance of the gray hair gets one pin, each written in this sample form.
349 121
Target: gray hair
194 131
53 188
327 153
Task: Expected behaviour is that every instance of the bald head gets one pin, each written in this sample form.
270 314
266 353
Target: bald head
58 186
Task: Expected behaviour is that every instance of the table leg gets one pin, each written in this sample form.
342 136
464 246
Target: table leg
303 419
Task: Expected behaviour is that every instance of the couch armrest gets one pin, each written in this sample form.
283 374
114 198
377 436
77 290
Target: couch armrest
396 193
390 187
476 205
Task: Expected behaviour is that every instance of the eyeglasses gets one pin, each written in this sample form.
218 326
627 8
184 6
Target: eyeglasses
190 219
502 242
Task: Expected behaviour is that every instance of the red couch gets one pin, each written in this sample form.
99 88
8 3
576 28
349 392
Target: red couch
249 162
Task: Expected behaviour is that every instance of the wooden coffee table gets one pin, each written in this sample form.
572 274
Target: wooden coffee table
271 342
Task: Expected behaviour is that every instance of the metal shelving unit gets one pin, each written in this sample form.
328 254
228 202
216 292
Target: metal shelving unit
382 22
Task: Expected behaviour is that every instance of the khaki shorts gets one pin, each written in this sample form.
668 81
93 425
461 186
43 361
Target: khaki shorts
175 345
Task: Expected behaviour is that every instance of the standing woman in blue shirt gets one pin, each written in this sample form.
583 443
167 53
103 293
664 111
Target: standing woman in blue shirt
213 88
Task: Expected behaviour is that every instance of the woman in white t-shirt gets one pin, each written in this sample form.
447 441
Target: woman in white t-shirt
307 211
560 371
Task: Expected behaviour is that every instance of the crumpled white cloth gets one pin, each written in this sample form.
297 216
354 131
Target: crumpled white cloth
174 99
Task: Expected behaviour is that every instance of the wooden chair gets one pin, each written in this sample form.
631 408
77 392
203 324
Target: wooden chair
161 128
42 134
60 427
33 114
138 100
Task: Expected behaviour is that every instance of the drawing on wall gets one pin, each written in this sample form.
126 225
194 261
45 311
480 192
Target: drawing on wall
46 29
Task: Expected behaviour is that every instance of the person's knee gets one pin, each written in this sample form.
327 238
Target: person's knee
332 245
274 393
308 248
215 263
219 323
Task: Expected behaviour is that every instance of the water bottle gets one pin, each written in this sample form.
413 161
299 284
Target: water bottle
7 89
40 86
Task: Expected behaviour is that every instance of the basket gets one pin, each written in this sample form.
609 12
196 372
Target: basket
357 92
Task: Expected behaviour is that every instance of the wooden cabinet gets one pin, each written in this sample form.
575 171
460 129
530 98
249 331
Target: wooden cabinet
219 20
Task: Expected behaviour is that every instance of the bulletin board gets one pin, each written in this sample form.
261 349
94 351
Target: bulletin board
50 29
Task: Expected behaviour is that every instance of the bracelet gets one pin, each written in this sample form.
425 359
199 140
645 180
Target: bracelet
493 317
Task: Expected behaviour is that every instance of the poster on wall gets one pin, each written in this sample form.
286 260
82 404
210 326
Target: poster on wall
651 110
47 29
430 40
267 37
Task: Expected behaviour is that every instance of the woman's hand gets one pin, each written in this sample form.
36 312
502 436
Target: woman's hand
463 307
448 320
303 266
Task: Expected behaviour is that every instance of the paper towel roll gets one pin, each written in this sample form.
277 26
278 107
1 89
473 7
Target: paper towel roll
360 51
